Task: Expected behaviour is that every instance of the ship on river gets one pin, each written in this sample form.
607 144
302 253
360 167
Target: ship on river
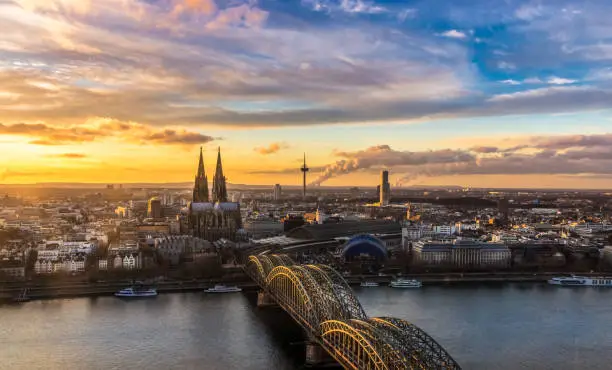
581 281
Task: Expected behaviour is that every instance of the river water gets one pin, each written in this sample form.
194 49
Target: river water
507 326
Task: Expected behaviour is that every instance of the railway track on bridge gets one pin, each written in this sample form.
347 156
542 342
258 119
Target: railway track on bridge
323 304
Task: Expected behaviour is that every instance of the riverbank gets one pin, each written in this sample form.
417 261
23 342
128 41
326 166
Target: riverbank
454 278
62 289
73 290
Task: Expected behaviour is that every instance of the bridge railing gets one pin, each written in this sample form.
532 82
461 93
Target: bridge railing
321 301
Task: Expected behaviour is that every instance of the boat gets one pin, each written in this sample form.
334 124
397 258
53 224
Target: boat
581 281
405 283
220 288
136 292
22 297
367 284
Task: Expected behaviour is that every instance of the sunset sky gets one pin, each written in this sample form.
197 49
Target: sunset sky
471 93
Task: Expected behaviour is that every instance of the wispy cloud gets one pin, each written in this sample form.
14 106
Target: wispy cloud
407 13
68 155
506 65
101 129
271 149
527 12
533 80
347 6
206 7
560 81
510 82
454 34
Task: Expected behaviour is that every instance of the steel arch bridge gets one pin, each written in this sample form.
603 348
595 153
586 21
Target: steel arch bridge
320 300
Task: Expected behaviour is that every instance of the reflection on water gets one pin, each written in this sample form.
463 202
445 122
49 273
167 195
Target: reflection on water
512 326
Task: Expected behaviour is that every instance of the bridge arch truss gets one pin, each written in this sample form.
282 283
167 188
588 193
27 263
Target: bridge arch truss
321 301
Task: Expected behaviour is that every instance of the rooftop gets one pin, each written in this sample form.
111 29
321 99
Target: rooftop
347 228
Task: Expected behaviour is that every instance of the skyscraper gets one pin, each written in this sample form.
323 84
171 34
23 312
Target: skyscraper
154 208
385 188
200 188
219 190
277 192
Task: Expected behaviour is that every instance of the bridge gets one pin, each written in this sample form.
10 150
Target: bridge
318 298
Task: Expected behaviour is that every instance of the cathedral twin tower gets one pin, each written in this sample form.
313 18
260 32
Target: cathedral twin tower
219 187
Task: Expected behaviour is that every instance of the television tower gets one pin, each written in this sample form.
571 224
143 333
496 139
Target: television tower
304 169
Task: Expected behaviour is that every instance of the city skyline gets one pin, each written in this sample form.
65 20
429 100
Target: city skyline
513 95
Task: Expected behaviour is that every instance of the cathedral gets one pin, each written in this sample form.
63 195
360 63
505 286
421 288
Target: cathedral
211 217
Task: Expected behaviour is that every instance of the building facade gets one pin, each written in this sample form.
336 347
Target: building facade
154 208
385 188
214 219
277 192
464 254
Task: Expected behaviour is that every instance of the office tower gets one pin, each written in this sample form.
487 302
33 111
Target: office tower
385 188
277 192
154 208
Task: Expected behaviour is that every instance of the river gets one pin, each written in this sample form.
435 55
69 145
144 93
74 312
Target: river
504 326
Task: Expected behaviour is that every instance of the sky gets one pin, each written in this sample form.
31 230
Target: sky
496 93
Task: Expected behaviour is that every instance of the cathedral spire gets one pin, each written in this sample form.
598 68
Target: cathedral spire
201 172
200 188
219 191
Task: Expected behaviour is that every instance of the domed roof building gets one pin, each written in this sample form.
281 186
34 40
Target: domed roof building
364 245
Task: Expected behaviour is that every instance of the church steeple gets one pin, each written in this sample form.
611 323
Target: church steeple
219 190
200 188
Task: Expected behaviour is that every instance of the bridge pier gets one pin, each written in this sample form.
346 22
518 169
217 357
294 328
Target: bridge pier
265 300
316 355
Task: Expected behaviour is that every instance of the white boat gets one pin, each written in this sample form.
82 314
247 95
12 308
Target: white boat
220 288
581 281
367 284
135 292
405 283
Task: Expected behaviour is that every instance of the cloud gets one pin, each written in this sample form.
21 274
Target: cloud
567 154
560 81
206 7
271 149
454 34
540 93
58 6
44 142
510 82
407 13
506 65
223 64
346 6
528 12
169 136
532 80
484 149
384 156
102 129
68 155
245 15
